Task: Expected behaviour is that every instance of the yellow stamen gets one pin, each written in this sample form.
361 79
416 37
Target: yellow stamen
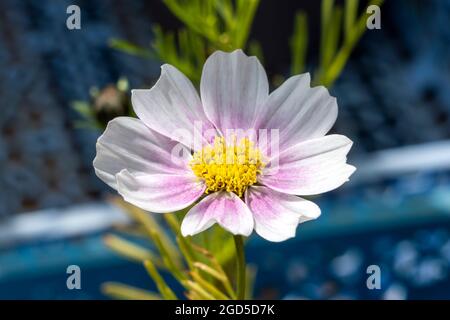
231 167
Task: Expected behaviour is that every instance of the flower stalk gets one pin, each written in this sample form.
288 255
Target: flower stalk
241 269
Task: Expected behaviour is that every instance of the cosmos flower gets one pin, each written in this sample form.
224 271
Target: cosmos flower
232 180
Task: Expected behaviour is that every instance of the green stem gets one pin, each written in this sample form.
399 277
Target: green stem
240 253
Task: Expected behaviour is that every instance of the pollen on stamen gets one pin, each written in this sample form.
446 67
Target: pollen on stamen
229 166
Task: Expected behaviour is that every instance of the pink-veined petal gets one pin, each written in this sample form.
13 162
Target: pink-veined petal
128 143
224 208
171 107
233 89
277 214
311 167
298 111
159 192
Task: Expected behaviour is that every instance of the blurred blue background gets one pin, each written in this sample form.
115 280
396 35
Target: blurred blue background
394 99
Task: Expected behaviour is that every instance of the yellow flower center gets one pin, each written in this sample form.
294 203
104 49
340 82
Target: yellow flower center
231 167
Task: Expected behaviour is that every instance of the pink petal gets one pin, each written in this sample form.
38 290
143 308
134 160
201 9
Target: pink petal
227 209
233 88
159 192
128 144
311 167
298 111
277 214
172 107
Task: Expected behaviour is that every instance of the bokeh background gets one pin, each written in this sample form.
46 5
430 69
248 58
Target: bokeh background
394 99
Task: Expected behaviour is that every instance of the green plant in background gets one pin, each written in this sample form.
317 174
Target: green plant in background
337 23
200 273
211 25
208 25
341 29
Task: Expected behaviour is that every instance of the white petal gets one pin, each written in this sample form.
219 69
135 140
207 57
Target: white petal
227 209
277 214
233 88
159 192
311 167
128 144
171 107
298 111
